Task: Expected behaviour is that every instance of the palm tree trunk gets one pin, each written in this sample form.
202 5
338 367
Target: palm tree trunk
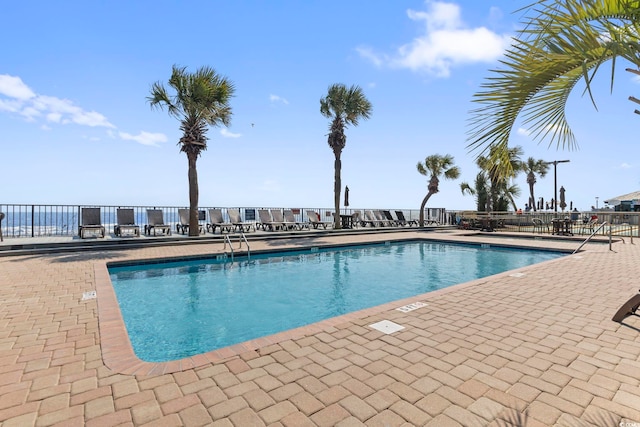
194 229
337 186
422 205
533 199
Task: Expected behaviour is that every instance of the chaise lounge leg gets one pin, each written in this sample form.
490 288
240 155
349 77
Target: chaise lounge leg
627 308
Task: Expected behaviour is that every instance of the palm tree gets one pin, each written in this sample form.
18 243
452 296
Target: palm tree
480 190
498 178
532 167
201 99
436 166
563 41
503 193
344 106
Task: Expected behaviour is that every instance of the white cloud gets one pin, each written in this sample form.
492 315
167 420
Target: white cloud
20 99
144 138
523 132
624 165
227 134
13 87
445 43
276 98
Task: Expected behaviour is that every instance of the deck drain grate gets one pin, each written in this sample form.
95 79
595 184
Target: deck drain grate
413 306
88 295
386 327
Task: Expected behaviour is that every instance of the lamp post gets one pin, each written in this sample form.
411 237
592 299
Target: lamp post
555 181
597 202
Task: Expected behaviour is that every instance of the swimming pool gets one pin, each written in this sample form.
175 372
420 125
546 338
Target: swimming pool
178 309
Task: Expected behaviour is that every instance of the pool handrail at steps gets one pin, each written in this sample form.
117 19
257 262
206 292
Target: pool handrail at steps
241 237
593 233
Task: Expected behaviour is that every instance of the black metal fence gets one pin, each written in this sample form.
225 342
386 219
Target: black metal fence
32 220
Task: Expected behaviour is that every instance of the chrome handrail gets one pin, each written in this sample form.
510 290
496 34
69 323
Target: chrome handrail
590 236
246 242
224 248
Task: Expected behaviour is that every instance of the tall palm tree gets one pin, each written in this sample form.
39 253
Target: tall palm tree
436 166
344 106
201 99
563 42
532 167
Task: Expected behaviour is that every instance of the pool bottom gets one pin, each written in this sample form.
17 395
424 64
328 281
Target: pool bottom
119 356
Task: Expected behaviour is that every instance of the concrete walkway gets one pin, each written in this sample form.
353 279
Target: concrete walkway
531 347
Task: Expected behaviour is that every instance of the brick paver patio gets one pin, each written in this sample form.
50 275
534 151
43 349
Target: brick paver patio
532 347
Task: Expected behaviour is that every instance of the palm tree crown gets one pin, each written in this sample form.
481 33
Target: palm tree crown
436 166
562 42
344 106
200 100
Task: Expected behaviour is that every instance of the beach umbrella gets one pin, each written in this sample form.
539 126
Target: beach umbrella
563 203
346 196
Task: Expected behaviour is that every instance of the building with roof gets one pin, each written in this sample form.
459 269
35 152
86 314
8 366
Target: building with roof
626 202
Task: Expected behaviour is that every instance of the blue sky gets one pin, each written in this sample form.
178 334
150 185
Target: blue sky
75 126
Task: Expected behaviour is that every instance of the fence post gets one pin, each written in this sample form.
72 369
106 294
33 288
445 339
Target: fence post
32 218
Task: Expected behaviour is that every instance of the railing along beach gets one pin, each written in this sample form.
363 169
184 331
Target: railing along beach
38 220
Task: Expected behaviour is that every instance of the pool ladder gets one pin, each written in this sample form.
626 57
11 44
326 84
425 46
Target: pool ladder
241 237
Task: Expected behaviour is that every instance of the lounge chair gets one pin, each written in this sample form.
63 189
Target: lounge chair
1 218
237 223
278 217
216 221
183 225
628 308
126 222
539 225
155 221
267 222
390 219
370 219
403 221
290 219
91 222
314 220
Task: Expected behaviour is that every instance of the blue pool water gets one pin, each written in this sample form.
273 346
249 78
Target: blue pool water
178 309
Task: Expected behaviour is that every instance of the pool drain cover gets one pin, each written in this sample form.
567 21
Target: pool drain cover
386 327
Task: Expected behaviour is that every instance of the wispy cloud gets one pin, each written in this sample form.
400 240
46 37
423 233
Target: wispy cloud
18 98
276 98
227 134
523 132
624 165
22 100
144 138
445 43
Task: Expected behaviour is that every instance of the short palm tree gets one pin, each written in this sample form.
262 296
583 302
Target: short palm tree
201 99
498 178
344 106
436 166
563 41
532 167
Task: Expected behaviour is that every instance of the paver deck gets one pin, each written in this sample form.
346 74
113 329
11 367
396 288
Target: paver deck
532 347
